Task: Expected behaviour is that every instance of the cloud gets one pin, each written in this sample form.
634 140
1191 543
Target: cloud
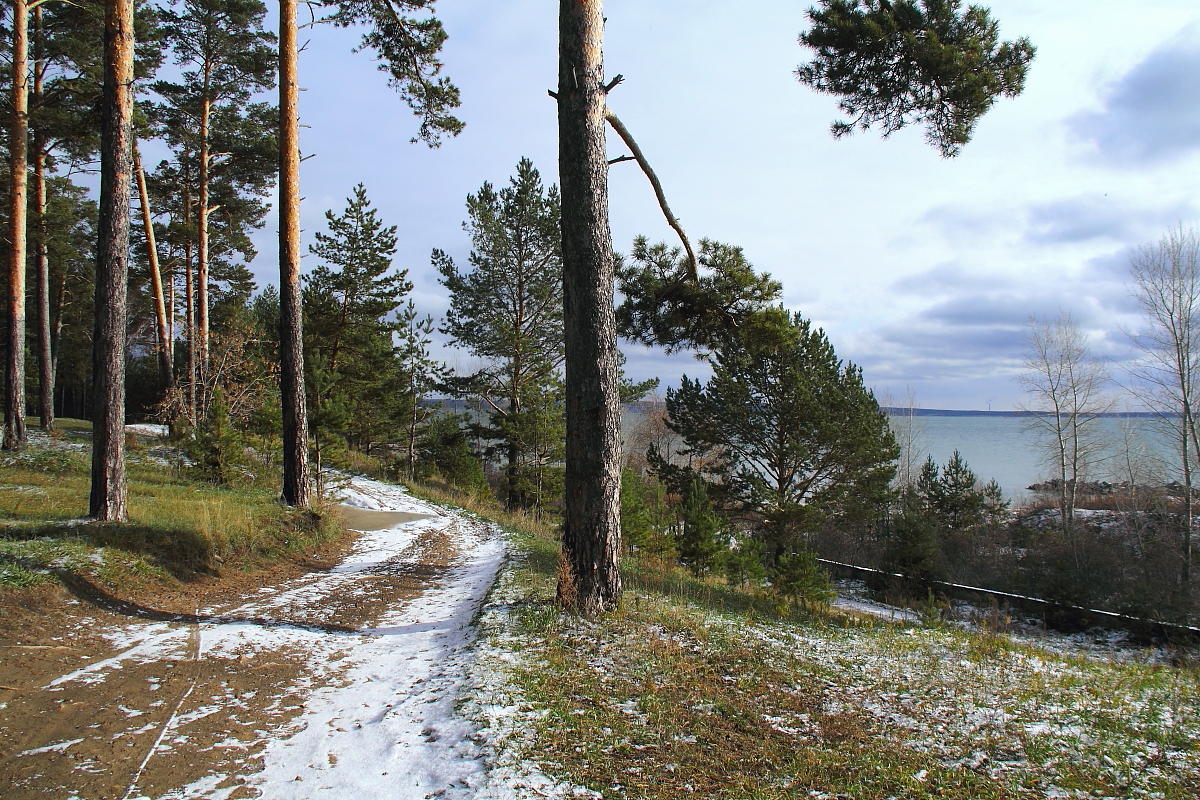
948 278
1150 115
1009 311
1095 216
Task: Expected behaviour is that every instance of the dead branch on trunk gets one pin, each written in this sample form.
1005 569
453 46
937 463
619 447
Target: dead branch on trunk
640 157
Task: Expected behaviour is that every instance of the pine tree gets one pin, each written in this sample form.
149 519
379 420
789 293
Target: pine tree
108 497
701 538
352 292
350 300
786 430
421 374
18 207
743 563
408 48
960 502
797 577
507 309
946 71
445 449
647 522
904 61
226 57
915 546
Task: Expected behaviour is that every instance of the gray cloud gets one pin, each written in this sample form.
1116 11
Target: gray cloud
1150 115
1087 217
1010 311
948 278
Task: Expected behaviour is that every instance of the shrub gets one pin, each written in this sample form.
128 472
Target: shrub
797 578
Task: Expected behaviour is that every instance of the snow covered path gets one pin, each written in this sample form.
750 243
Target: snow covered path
339 684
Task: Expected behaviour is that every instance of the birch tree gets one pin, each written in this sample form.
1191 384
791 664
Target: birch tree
1066 388
1166 284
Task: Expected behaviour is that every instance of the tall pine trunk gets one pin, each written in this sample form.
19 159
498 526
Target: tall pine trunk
190 307
108 497
591 523
42 256
165 351
296 489
14 388
202 246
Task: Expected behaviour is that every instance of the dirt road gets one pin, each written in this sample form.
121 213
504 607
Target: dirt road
336 683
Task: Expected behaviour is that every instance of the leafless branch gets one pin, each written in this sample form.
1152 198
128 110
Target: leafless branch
640 157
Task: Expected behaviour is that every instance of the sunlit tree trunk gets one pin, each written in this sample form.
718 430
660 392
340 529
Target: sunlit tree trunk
202 244
296 489
14 390
42 256
591 523
189 294
108 496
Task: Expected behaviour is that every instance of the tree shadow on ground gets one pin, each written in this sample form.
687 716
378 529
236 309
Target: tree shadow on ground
184 553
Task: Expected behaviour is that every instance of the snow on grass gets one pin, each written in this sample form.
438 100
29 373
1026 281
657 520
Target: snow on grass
675 698
148 429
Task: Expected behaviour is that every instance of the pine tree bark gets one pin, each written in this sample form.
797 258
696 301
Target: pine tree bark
190 310
591 524
42 256
296 488
202 243
14 376
108 496
165 351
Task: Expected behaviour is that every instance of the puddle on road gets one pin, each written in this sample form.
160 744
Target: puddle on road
367 519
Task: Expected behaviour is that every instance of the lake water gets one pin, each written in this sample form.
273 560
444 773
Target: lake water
1009 450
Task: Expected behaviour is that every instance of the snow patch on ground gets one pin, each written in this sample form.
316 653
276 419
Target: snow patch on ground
148 429
410 707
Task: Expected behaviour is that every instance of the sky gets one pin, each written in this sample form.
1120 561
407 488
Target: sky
924 271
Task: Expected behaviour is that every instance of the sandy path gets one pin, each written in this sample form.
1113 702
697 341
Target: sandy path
338 683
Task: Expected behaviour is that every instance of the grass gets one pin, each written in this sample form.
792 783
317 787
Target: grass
178 527
696 689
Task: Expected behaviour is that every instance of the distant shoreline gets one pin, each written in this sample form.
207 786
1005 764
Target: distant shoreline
458 404
894 411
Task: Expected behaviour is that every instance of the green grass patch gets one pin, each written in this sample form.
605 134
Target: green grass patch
178 527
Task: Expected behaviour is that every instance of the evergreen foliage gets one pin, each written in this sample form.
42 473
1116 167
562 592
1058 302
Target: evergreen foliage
787 431
446 449
904 61
663 306
646 519
366 352
915 544
217 449
421 375
797 577
743 562
701 537
407 38
507 310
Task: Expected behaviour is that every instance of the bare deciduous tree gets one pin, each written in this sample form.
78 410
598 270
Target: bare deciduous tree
1066 388
1166 278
